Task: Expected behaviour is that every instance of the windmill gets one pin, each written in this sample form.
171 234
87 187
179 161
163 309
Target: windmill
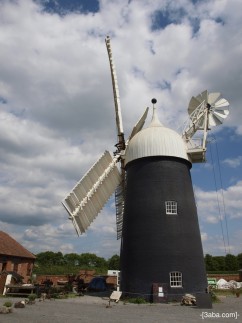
156 214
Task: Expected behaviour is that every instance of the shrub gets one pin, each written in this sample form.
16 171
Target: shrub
137 300
32 297
8 304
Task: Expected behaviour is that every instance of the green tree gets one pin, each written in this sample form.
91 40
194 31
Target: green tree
49 258
90 260
72 259
219 263
59 259
231 262
114 262
239 259
209 262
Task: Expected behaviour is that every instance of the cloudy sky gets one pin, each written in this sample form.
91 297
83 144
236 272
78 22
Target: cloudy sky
57 111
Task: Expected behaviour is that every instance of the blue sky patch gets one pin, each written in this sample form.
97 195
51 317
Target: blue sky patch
195 23
160 20
219 20
3 100
63 7
163 85
163 18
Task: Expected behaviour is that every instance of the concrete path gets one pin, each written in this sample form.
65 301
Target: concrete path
90 309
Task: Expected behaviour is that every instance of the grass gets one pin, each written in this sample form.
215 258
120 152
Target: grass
225 292
215 297
137 300
216 293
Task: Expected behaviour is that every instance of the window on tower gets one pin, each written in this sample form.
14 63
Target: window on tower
171 207
175 279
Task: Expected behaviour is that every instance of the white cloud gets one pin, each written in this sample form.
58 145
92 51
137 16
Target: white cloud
204 236
56 106
233 162
213 206
220 217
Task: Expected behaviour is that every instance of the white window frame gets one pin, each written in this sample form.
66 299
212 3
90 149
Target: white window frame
175 279
171 207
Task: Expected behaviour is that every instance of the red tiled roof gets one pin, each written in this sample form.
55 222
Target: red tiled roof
10 247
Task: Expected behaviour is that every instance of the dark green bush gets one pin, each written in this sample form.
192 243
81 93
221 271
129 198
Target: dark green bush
32 297
8 304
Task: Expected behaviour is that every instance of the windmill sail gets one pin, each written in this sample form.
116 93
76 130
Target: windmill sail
91 193
139 125
119 202
119 122
205 110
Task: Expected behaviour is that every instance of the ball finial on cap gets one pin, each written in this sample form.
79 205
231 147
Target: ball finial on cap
153 101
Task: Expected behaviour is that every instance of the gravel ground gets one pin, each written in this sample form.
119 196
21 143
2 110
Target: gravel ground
96 309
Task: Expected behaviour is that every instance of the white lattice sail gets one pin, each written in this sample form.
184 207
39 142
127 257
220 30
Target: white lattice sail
92 192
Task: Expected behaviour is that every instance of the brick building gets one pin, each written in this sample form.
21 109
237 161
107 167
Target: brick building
15 258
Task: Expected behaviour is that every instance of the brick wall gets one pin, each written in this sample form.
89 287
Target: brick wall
86 275
53 278
21 266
